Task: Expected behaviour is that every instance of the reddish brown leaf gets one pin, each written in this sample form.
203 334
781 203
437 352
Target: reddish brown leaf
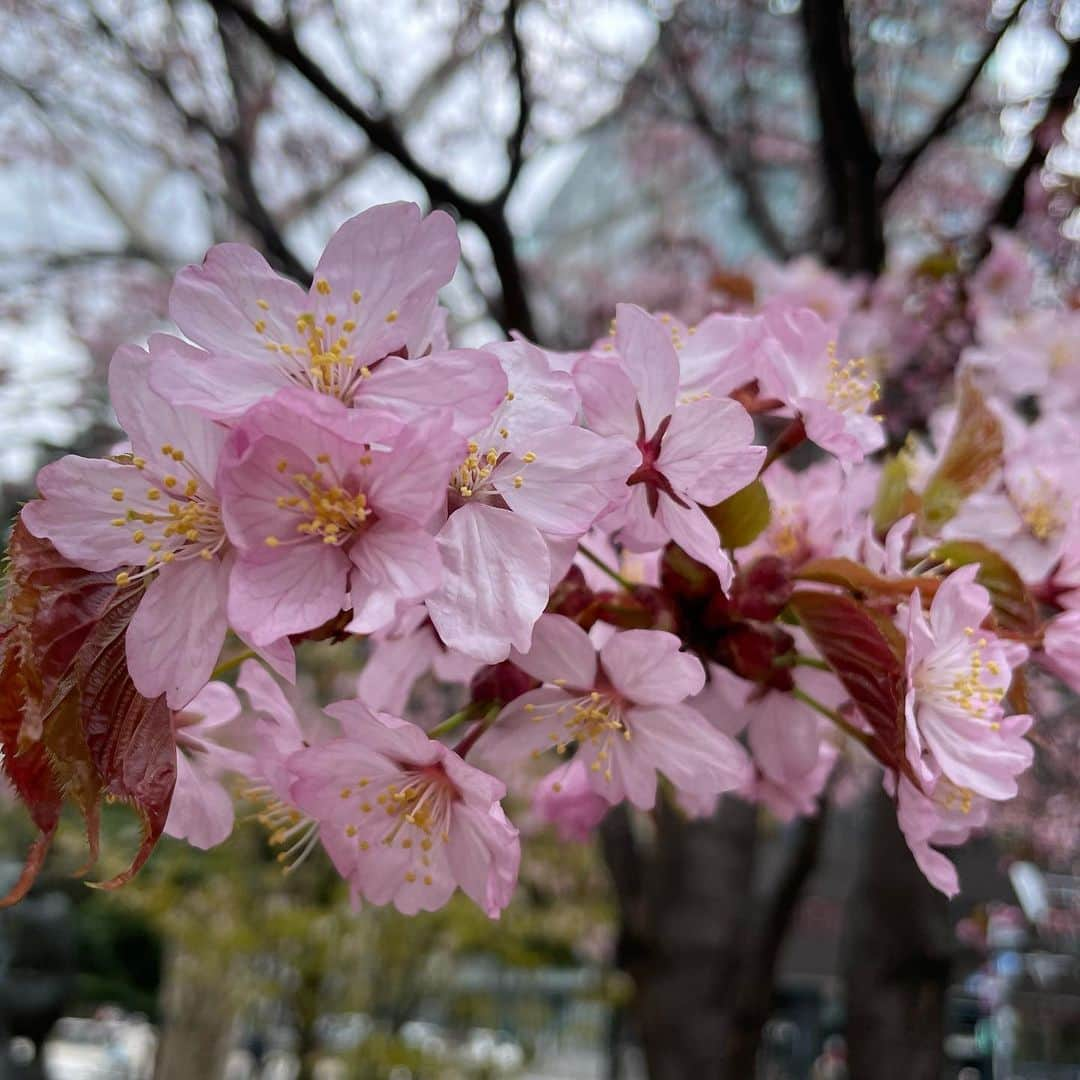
1015 611
863 582
867 655
970 459
71 723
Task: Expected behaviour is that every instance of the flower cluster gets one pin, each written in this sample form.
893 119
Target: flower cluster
607 548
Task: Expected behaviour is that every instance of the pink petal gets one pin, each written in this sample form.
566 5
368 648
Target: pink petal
720 355
495 582
176 634
78 510
649 358
608 396
707 451
484 853
216 304
297 590
573 480
539 398
469 383
201 811
560 650
396 564
649 668
397 261
696 535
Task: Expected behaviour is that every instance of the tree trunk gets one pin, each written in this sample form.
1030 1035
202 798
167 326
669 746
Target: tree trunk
897 959
683 910
197 1021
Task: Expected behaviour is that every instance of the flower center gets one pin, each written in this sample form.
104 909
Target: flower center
848 387
176 518
325 506
1041 513
321 356
963 681
591 721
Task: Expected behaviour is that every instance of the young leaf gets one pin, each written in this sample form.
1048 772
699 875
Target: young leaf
741 517
1015 610
894 498
970 459
867 655
71 723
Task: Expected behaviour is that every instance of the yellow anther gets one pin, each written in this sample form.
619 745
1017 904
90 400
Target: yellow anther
138 536
153 494
392 316
518 481
118 494
119 522
260 326
322 286
123 579
263 304
170 481
271 541
356 296
528 457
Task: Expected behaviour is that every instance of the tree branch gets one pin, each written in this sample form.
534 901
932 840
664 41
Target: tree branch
384 135
899 168
515 147
734 156
854 240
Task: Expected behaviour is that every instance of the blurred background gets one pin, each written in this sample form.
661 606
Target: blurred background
868 158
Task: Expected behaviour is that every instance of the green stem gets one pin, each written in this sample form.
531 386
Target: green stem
233 662
462 716
833 715
798 660
613 574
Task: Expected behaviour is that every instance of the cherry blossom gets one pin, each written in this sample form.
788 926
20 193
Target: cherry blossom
690 454
625 711
833 397
327 508
404 818
565 798
958 675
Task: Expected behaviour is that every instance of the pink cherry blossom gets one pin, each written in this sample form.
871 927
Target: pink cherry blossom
155 513
958 675
689 455
944 818
201 811
565 798
1061 648
624 709
718 354
405 819
804 282
530 478
362 334
327 508
832 397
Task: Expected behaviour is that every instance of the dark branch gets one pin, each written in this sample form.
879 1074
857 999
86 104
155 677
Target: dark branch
854 239
515 147
898 169
734 156
384 135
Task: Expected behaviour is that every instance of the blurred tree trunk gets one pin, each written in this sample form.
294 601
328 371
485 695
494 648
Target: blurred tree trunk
683 907
197 1020
896 958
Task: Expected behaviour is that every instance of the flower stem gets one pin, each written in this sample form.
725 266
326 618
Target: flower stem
831 714
788 439
798 660
233 662
462 716
613 574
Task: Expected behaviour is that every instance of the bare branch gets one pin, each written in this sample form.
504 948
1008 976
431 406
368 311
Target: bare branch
854 240
384 135
898 169
515 146
734 156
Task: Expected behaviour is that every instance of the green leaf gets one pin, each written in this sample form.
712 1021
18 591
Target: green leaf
741 518
1015 610
894 498
970 460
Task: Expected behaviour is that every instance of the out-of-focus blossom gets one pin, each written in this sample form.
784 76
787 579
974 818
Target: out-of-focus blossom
565 798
